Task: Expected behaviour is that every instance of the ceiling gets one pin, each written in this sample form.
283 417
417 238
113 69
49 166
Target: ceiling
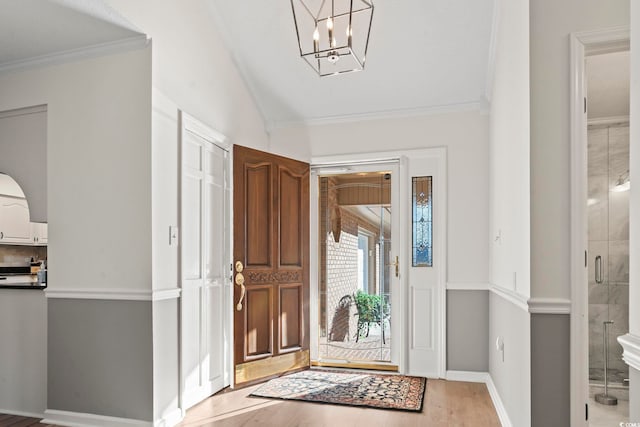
422 55
608 85
35 29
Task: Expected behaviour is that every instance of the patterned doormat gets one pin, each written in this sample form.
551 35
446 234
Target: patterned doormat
397 392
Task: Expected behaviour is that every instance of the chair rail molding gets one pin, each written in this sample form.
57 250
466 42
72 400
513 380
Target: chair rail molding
513 297
121 294
549 305
631 350
467 286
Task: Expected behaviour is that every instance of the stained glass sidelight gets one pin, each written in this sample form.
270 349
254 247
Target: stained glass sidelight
422 200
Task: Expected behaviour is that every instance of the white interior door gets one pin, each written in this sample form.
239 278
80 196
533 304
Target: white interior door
426 265
204 262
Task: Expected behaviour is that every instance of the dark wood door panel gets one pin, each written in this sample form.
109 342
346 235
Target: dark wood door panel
290 318
271 240
258 213
291 212
259 333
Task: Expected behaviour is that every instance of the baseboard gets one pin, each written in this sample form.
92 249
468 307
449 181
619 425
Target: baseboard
483 377
170 419
497 403
21 413
78 419
468 376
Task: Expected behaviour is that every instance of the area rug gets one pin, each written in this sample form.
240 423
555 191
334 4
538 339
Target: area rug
368 390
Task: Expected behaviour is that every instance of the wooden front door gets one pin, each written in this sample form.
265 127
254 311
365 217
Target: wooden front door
271 264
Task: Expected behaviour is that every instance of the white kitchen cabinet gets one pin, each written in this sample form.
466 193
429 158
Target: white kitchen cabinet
15 227
39 233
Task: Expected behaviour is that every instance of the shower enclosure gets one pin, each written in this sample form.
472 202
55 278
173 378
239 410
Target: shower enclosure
608 231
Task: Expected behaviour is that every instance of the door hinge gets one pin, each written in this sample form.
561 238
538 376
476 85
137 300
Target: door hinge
586 412
585 105
585 259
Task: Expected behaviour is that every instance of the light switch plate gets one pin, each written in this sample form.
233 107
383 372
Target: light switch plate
173 235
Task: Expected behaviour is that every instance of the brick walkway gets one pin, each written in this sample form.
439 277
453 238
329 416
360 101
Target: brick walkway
370 348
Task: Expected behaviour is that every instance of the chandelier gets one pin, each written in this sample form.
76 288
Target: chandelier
333 35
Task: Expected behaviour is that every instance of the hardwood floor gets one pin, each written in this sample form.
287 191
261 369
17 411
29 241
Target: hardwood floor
447 403
17 421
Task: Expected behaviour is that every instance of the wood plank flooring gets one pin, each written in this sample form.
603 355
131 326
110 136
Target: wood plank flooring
446 403
18 421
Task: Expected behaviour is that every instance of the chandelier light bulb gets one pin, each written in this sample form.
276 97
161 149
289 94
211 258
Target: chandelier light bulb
316 40
330 23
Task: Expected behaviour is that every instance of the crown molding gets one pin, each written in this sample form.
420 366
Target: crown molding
86 52
378 115
611 40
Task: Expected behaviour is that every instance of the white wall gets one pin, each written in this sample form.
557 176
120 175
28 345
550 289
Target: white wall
98 167
551 21
634 162
99 201
509 207
192 72
634 226
23 143
465 134
509 149
193 68
165 179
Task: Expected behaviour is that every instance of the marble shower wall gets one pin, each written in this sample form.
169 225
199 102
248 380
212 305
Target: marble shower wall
608 214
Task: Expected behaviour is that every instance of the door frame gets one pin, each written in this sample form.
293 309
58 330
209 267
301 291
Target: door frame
340 163
583 44
188 123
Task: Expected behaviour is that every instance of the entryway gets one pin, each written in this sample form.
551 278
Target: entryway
357 265
600 227
378 281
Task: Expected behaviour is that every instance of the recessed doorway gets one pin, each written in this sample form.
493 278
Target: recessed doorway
356 267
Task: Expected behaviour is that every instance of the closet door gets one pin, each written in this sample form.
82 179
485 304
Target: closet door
204 261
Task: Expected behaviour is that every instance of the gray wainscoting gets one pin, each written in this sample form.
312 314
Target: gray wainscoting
166 381
634 395
550 366
100 357
468 330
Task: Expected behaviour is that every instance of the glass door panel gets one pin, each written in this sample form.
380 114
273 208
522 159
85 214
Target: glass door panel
355 255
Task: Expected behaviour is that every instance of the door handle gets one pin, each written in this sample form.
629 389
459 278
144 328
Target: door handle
396 264
598 270
240 282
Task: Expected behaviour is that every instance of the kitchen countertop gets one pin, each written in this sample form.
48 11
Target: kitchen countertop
24 285
20 281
